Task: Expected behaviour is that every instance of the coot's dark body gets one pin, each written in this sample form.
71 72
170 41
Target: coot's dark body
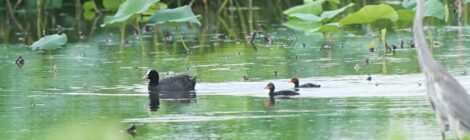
174 83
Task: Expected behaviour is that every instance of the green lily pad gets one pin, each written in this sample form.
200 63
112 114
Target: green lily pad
433 8
314 8
128 9
50 42
174 17
331 14
330 27
369 14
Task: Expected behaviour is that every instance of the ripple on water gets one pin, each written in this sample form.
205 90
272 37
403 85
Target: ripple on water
189 118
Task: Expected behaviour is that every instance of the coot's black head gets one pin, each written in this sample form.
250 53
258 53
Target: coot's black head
151 75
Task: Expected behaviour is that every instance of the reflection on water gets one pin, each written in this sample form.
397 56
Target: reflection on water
176 96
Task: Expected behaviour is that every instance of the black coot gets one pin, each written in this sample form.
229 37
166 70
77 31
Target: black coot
295 80
174 83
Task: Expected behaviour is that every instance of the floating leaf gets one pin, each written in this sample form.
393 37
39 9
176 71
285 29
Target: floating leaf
174 17
331 14
330 27
369 14
314 8
306 17
128 9
50 42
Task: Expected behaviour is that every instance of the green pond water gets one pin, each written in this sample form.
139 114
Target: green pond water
97 89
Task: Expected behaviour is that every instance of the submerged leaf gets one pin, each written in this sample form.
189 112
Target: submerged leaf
369 14
314 8
174 17
128 9
50 42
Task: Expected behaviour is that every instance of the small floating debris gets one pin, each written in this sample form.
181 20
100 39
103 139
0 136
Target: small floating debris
55 69
357 67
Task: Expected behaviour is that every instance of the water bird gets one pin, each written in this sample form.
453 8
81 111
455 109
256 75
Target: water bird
275 73
245 78
303 45
372 49
252 38
173 83
388 49
271 88
366 61
19 61
449 100
401 44
222 36
295 81
369 78
132 130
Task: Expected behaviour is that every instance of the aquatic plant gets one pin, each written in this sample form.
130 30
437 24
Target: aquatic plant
50 42
175 17
127 10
